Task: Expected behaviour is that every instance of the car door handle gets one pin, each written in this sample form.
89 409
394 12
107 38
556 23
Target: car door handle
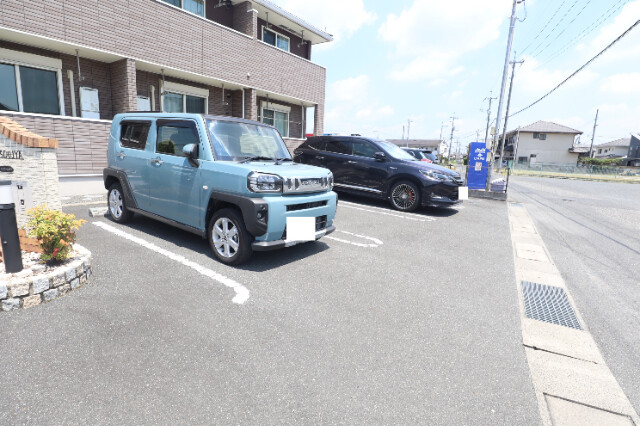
121 155
320 157
351 162
393 168
157 161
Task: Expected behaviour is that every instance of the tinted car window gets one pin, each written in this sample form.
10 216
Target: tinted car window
174 135
316 143
363 149
339 146
133 134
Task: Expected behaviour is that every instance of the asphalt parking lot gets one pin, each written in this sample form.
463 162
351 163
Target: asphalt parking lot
394 318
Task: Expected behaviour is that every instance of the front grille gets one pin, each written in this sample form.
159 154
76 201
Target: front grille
321 223
447 191
305 206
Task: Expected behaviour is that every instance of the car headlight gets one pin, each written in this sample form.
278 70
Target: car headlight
330 181
435 175
262 182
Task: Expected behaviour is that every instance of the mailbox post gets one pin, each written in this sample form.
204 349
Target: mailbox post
9 229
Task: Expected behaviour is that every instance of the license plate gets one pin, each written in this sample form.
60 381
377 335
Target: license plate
301 228
463 193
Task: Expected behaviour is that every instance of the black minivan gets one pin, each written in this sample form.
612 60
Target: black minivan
381 169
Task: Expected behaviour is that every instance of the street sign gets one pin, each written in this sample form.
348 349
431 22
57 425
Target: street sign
478 165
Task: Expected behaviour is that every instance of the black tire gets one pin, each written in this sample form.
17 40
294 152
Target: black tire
117 204
231 246
404 196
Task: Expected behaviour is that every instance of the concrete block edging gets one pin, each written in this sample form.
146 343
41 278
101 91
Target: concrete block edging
37 289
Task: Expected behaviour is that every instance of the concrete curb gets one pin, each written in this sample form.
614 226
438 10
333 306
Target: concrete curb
476 193
34 290
572 382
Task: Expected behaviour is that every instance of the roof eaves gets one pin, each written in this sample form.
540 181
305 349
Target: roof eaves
294 18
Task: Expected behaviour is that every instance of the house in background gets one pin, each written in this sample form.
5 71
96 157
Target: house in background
614 149
543 142
68 67
633 155
431 145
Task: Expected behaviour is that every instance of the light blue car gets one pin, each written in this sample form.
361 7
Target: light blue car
226 179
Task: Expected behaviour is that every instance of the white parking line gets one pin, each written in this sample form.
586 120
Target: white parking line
242 293
409 216
376 242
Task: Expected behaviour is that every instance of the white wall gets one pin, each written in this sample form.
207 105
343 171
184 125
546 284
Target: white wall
553 150
621 151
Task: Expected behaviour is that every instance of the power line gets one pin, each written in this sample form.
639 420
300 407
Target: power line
565 28
588 30
545 26
554 28
581 68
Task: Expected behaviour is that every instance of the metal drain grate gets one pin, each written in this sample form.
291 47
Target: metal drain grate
548 303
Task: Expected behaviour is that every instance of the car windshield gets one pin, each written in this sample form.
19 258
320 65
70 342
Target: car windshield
233 141
395 151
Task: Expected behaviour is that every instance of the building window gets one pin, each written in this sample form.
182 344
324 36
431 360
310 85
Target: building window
183 98
541 136
273 38
29 89
277 116
193 6
522 160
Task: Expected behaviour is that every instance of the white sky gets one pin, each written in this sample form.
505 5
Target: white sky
428 60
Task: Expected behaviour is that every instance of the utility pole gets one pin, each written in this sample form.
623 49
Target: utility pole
506 115
505 70
453 127
408 130
403 131
486 134
593 135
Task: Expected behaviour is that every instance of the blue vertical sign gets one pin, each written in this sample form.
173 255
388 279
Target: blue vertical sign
478 166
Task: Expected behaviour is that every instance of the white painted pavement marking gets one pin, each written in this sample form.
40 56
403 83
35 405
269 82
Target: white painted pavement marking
376 242
242 293
409 216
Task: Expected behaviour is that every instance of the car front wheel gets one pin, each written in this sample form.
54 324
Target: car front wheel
117 204
404 196
228 237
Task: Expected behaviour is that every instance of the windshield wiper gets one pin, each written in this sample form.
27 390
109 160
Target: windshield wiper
258 157
280 160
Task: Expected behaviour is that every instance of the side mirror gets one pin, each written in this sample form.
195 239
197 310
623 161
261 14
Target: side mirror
191 152
379 156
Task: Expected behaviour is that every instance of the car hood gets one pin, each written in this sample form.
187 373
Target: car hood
430 166
287 169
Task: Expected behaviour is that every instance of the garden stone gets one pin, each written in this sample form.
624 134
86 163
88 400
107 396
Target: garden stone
30 301
40 285
70 274
3 291
38 268
50 294
75 283
20 288
10 304
64 289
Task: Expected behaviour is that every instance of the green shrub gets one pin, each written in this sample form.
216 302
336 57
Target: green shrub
602 161
55 230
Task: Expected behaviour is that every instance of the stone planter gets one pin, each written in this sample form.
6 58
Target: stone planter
25 292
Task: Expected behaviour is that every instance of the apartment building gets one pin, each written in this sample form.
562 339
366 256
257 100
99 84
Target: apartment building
543 142
66 68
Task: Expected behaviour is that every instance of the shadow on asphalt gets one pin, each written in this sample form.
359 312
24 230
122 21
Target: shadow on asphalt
259 262
373 202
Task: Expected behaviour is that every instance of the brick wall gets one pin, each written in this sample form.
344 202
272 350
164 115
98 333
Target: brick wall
155 32
245 21
82 143
124 87
36 166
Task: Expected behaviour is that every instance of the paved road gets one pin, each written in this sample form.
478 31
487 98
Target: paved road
416 324
592 230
